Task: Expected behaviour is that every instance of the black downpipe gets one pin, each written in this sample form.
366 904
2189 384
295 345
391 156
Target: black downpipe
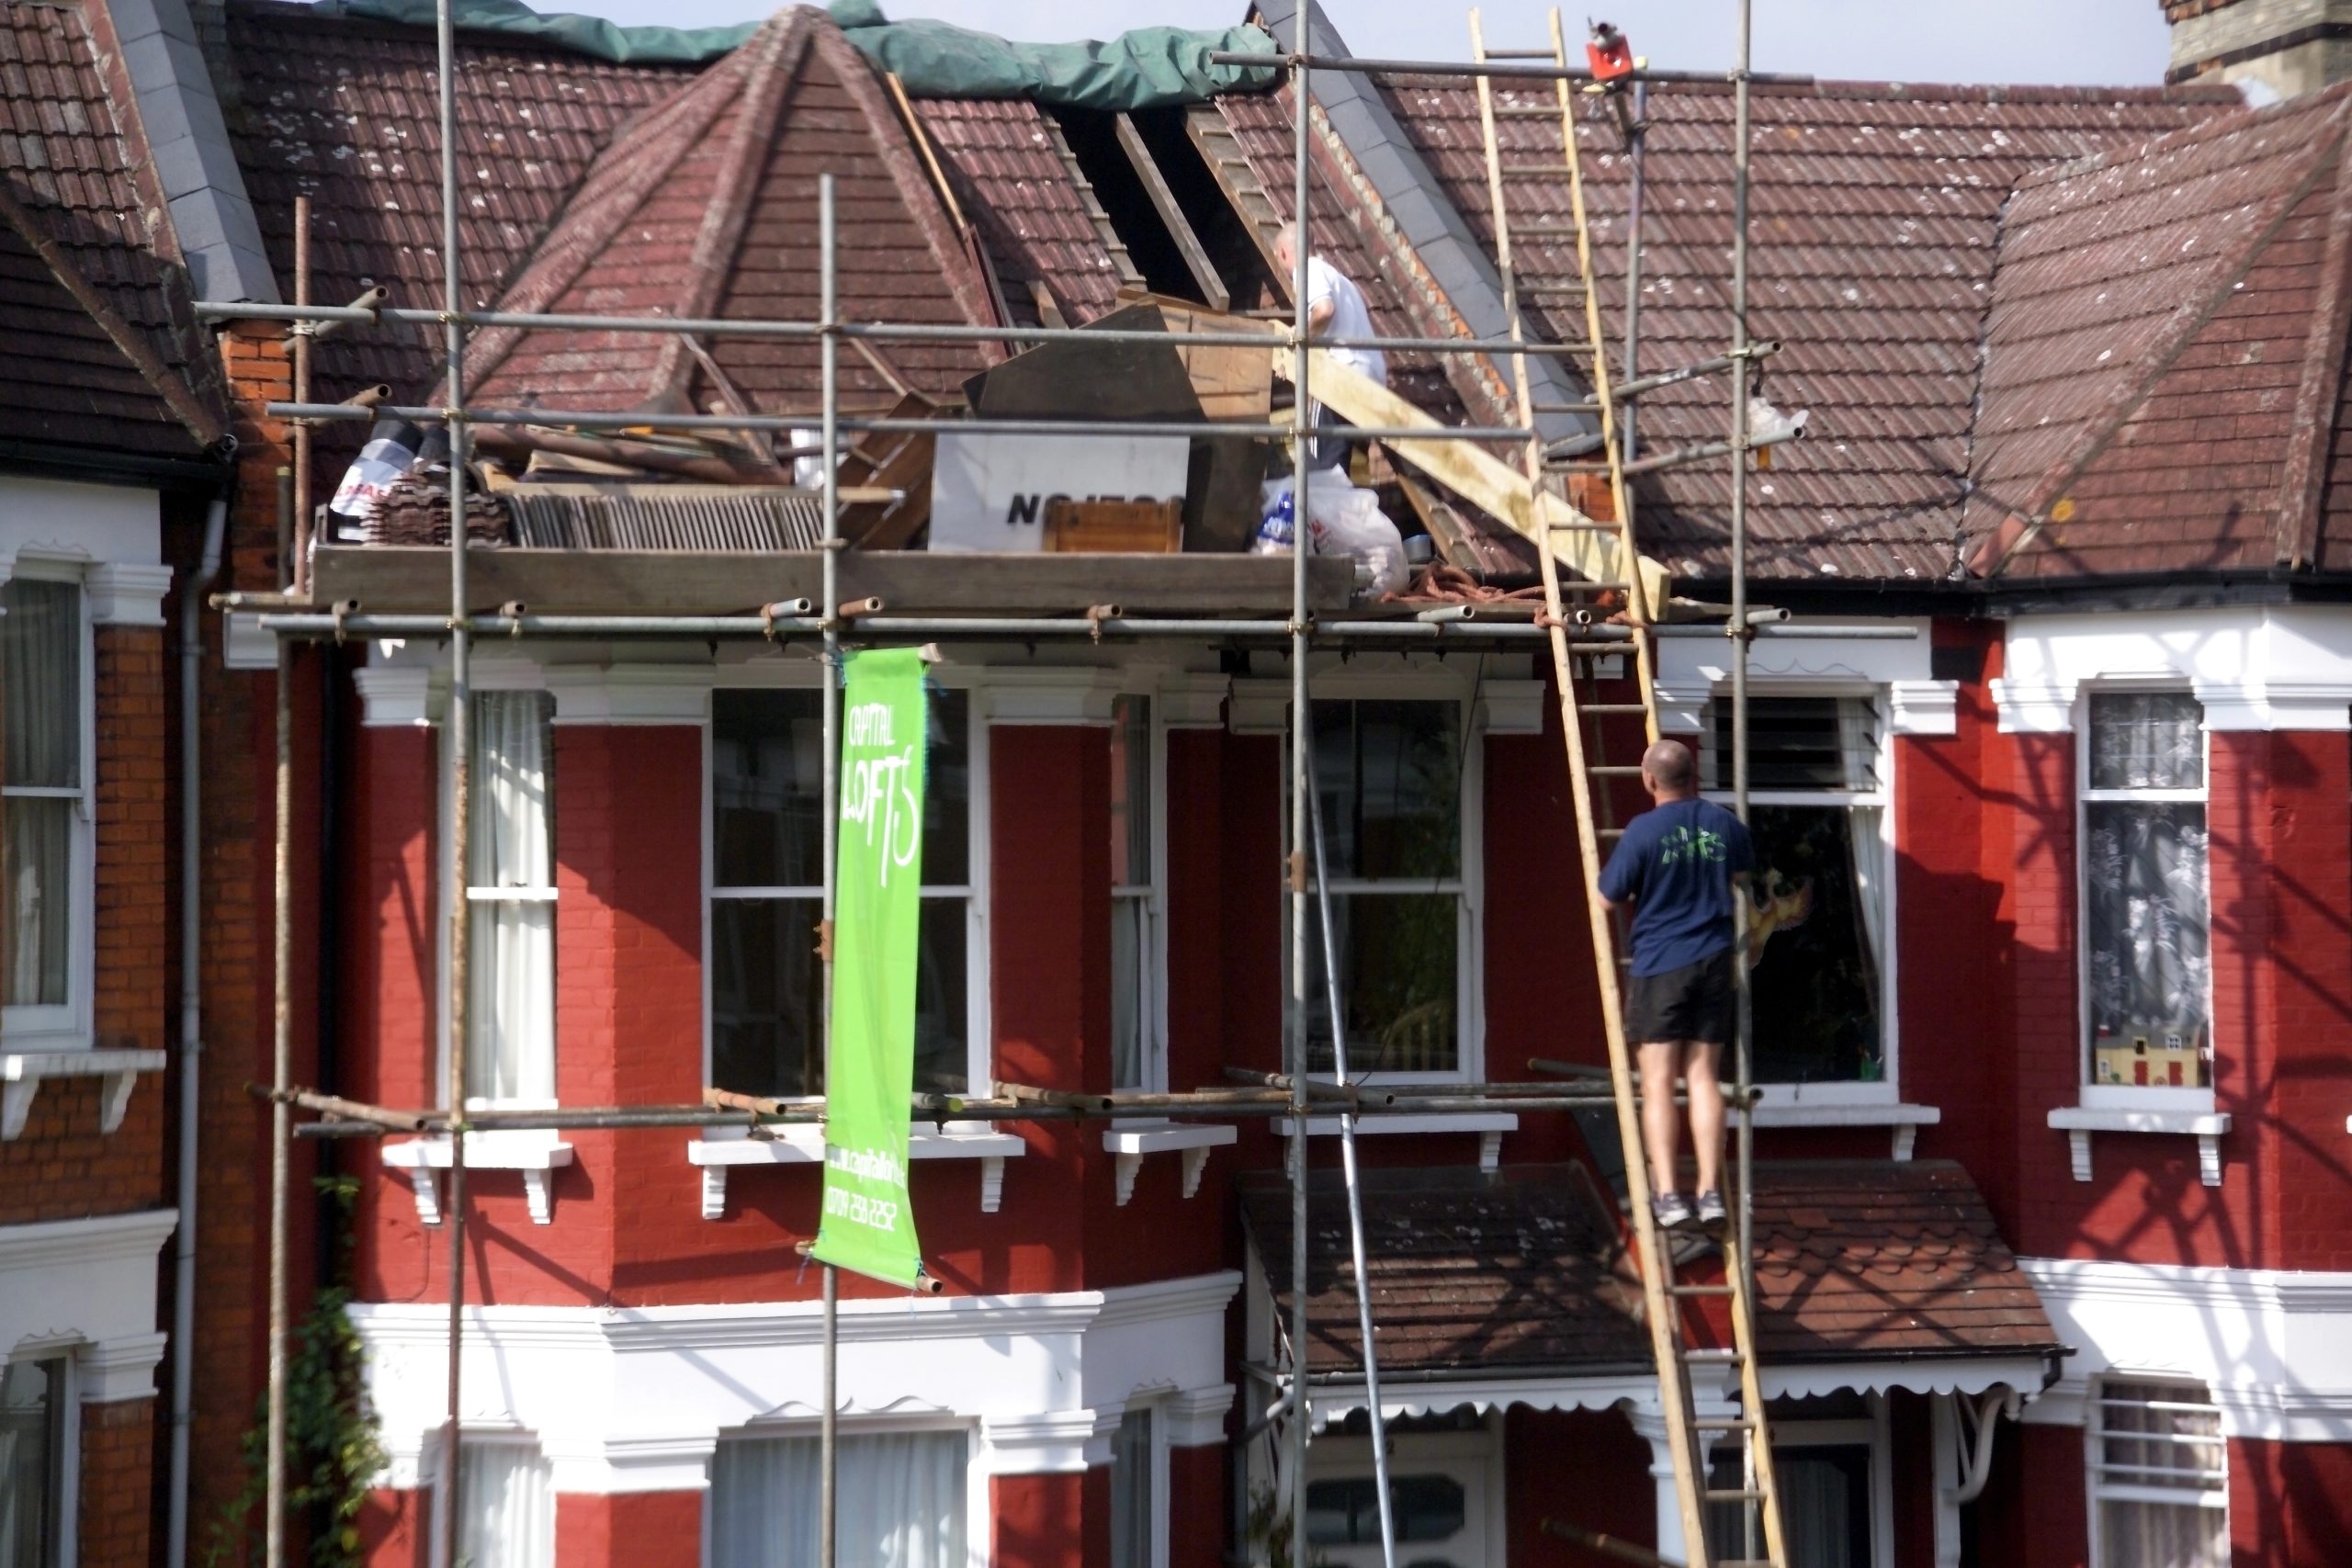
328 946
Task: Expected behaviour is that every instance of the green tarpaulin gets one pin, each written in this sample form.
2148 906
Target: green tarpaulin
869 1225
1148 68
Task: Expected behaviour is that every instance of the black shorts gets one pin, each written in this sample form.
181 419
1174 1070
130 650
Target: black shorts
1694 1002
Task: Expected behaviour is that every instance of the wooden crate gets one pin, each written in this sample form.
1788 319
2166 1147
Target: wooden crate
1115 527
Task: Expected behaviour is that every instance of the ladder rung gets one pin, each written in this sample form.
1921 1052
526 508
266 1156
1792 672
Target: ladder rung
1721 1424
1541 229
1582 528
1526 111
1602 648
1615 769
1612 708
1698 1290
1610 834
1734 1494
1711 1357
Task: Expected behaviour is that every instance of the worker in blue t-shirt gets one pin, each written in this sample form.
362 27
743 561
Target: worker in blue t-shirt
1676 869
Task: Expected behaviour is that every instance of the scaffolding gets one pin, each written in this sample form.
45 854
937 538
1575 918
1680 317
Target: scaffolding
834 624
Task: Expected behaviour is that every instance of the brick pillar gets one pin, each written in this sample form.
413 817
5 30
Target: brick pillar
117 1450
1039 1522
631 1529
134 917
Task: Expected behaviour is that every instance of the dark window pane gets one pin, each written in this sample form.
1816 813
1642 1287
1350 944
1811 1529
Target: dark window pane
1398 982
766 786
2147 740
1346 1512
947 792
36 940
1798 743
1820 925
1824 1505
940 997
1390 775
767 990
32 1421
2146 914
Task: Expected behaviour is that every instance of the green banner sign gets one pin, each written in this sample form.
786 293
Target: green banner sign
868 1224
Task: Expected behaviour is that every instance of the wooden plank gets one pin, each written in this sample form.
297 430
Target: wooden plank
1221 150
1197 258
1115 527
405 580
1478 478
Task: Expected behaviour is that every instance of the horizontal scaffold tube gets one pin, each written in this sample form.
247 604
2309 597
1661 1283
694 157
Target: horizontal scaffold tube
1274 334
591 419
1536 72
886 628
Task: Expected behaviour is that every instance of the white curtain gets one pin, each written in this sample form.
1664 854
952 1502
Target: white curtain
511 970
507 1493
1130 987
1858 741
898 1502
25 1483
1867 848
40 720
2162 1535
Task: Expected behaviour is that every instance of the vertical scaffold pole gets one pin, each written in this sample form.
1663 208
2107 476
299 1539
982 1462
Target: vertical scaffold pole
1302 736
829 369
281 1129
1742 1252
458 733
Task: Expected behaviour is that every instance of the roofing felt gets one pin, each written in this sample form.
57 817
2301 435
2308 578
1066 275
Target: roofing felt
67 377
1523 1272
707 206
2164 353
347 112
1875 214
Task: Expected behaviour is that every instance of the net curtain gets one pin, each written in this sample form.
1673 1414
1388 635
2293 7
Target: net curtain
898 1502
511 971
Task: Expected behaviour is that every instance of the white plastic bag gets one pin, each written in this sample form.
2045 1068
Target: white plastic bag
1277 526
1344 520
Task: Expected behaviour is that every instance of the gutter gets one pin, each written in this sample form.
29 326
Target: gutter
216 524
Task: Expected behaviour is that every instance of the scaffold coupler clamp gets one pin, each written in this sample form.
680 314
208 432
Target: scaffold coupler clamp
341 610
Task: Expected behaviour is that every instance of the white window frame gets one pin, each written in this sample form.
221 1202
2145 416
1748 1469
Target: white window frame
979 1056
1162 1527
498 677
68 1026
1871 1432
1888 1090
977 1473
1468 884
1448 1453
1152 895
2215 1498
2130 1097
478 1438
66 1486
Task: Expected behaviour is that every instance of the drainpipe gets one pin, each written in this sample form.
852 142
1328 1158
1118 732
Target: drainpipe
216 524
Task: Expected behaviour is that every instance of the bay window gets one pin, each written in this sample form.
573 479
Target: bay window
2145 900
45 848
1138 1492
1138 943
2159 1475
510 883
34 1410
767 896
899 1499
1396 837
1818 960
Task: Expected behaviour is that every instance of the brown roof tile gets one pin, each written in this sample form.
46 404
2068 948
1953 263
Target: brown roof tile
1874 215
68 378
1854 1260
1008 159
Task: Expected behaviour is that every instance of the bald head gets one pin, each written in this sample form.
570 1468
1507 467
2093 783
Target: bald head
1669 771
1287 247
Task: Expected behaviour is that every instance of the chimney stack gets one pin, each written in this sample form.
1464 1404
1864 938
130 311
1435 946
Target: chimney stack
2272 49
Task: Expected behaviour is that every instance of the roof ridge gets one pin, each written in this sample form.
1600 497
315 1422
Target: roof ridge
2303 479
783 47
2190 323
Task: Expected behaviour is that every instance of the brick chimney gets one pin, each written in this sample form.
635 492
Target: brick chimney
2274 49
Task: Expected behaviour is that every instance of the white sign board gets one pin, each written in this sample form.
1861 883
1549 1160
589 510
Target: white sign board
990 491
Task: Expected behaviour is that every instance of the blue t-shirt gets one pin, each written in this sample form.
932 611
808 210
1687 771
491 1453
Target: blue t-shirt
1674 865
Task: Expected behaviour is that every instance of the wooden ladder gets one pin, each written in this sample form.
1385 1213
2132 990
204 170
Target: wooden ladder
1690 1437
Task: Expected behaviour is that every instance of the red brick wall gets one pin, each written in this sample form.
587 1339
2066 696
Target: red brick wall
1039 1522
1199 1516
1585 1468
118 1447
637 1529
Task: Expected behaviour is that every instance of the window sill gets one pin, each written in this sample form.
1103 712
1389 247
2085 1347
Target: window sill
535 1154
21 1073
723 1148
2079 1122
1905 1121
1128 1145
1490 1126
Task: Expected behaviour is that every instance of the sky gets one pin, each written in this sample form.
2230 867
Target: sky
2107 42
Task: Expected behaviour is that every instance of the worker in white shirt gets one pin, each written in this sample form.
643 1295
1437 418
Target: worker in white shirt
1335 308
